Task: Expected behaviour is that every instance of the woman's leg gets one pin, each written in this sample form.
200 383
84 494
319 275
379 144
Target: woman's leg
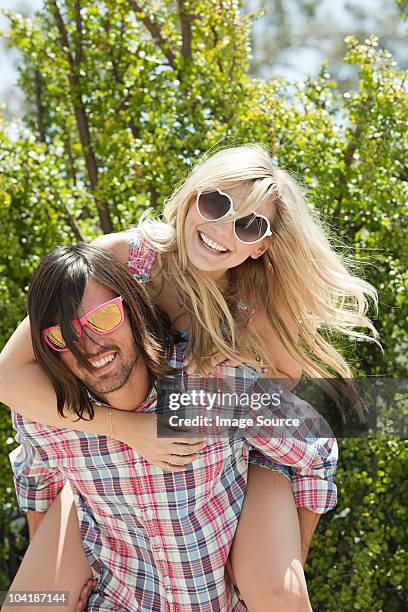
266 557
55 560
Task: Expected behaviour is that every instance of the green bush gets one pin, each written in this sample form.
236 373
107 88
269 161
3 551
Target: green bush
358 559
119 103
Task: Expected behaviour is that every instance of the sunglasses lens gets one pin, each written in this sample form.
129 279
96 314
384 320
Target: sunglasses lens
55 338
105 319
251 228
213 206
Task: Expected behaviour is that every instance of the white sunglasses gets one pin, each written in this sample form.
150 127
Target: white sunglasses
217 205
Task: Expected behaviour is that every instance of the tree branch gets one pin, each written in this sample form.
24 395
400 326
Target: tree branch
123 104
154 197
155 34
185 22
68 152
348 160
78 22
63 33
134 129
81 120
72 223
40 109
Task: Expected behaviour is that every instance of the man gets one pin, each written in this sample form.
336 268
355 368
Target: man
155 540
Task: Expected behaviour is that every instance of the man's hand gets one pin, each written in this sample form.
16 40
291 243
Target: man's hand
308 521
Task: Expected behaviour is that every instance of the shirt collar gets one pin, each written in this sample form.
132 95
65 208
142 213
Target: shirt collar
151 397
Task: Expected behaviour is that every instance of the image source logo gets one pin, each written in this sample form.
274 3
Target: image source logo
253 406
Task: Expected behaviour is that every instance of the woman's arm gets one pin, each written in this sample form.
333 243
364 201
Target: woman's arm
23 385
27 390
286 365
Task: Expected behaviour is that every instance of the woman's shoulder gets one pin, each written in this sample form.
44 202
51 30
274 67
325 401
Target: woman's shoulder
125 244
137 247
132 249
117 243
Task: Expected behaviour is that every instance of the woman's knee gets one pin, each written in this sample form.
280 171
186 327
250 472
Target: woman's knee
271 600
280 600
280 592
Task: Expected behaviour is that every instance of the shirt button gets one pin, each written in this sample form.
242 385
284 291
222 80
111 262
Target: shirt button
149 513
170 597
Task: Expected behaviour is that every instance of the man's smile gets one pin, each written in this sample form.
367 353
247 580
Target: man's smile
103 361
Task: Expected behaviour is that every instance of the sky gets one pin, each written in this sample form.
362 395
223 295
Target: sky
8 59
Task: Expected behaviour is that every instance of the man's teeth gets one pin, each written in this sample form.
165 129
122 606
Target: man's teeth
212 244
102 362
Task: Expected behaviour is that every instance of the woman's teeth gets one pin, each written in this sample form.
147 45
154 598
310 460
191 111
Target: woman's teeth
213 245
102 362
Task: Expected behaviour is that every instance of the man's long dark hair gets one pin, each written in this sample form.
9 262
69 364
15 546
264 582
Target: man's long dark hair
55 293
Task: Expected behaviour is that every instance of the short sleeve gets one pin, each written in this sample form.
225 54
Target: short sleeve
37 483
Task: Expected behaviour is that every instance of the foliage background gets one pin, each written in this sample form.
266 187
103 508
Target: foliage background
121 98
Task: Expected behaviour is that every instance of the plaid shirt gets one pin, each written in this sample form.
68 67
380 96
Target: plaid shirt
158 540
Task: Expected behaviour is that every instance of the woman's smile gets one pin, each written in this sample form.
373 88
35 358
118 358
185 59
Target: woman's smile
211 245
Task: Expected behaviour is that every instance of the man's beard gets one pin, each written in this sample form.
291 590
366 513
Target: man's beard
111 382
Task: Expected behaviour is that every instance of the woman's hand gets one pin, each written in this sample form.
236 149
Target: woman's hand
170 454
210 363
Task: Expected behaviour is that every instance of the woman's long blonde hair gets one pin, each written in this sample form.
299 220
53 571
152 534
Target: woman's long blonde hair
300 269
